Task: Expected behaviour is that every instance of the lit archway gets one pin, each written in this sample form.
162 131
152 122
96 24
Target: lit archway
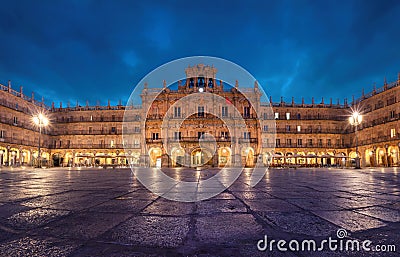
155 154
224 156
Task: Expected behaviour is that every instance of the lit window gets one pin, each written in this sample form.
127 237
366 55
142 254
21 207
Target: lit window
298 128
392 132
91 117
112 143
277 115
288 116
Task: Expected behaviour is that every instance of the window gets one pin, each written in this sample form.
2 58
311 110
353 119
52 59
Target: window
154 136
113 118
392 114
224 134
298 116
298 128
287 127
299 142
278 142
392 132
246 112
177 135
81 118
276 115
288 142
91 117
246 135
200 111
200 135
265 128
224 112
329 142
113 129
288 115
2 134
15 120
137 129
310 143
90 130
177 112
265 116
124 129
319 142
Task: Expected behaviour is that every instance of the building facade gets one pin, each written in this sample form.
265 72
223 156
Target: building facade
165 132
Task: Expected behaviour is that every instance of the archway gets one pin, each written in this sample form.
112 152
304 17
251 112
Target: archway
248 156
155 157
200 157
381 156
58 159
369 158
393 155
178 157
224 156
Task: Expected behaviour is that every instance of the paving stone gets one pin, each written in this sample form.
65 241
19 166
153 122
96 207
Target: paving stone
350 220
381 213
34 218
37 247
86 225
220 205
228 228
150 231
167 207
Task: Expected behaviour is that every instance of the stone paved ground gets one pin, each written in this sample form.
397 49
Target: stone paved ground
93 212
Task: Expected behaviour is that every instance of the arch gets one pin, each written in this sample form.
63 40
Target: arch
178 157
267 158
155 154
224 156
301 160
248 156
58 159
393 157
369 157
201 157
289 159
380 156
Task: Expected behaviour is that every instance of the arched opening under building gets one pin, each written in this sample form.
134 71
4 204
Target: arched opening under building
178 157
224 156
155 154
248 156
201 157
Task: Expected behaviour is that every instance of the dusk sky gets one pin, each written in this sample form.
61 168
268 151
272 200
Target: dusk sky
99 50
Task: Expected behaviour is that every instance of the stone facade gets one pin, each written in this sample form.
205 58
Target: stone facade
306 134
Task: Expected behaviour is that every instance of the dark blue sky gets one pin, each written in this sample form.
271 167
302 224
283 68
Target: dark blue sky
98 50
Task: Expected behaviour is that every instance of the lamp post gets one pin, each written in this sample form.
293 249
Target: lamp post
355 119
40 120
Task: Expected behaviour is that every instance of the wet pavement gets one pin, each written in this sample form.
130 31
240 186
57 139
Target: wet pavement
96 212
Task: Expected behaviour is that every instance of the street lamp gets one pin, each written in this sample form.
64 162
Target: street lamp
40 120
355 119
